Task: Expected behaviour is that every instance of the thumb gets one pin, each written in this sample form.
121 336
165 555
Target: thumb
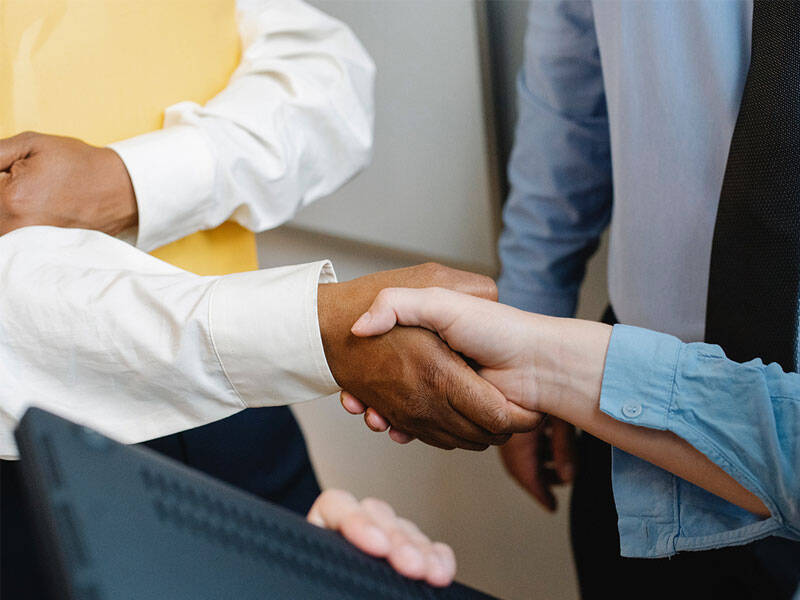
431 308
15 148
563 438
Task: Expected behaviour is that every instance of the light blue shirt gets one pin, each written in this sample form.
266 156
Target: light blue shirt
656 85
632 105
745 417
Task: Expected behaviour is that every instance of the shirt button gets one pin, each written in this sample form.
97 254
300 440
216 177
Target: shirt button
632 410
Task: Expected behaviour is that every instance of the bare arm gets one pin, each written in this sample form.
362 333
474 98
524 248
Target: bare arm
550 365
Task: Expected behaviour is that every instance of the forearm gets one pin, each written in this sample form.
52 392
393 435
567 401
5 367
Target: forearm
104 334
570 380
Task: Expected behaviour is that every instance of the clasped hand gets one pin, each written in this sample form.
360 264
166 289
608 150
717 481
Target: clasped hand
540 364
409 375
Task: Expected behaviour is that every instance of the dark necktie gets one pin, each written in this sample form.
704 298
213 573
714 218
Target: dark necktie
755 257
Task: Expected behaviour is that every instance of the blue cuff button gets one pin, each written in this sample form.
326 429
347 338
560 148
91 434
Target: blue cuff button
632 410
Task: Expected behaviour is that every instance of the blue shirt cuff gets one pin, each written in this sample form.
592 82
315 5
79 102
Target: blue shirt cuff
639 376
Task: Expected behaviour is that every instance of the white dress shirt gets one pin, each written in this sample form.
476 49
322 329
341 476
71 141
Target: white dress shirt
97 331
293 124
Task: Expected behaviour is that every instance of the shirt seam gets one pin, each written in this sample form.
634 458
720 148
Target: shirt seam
211 299
667 419
671 400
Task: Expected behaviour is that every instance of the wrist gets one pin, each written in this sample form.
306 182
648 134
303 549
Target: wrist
567 366
337 310
121 211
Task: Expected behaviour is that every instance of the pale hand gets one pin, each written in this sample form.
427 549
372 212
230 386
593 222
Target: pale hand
528 357
373 527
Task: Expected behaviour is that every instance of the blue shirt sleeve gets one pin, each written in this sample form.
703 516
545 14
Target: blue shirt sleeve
560 166
745 417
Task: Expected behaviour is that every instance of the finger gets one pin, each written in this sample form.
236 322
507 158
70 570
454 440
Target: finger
340 511
465 434
521 458
399 436
483 404
405 556
445 571
412 531
351 404
331 507
431 308
380 511
15 148
438 558
375 421
447 441
359 529
563 437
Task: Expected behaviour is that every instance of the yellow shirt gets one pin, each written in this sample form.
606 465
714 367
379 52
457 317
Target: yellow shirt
105 70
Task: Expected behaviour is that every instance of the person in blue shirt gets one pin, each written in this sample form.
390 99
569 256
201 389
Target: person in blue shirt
730 431
627 116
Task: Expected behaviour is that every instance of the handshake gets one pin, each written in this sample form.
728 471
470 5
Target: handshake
447 364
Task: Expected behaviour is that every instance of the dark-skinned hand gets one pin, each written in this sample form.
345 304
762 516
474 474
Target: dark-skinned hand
411 376
61 181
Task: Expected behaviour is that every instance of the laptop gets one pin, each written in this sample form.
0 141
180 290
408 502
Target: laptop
123 522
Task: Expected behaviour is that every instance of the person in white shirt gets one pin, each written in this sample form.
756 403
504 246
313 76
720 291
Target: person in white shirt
96 330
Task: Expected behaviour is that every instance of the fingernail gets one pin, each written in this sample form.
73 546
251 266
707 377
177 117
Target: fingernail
363 320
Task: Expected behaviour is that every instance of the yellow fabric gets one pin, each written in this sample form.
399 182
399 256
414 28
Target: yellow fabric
105 70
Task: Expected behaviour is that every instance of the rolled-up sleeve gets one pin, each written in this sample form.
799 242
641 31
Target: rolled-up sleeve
744 417
103 334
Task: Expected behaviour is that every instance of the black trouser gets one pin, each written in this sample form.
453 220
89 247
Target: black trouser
763 570
259 450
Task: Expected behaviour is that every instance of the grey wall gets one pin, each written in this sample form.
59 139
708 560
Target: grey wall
431 186
505 543
506 23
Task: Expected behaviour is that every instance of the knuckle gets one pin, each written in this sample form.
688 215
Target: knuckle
376 504
434 270
27 135
385 296
497 420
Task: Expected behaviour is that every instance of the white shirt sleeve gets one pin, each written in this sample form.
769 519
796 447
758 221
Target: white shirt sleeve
293 124
106 335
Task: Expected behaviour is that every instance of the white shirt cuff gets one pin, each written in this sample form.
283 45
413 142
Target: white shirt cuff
266 334
172 171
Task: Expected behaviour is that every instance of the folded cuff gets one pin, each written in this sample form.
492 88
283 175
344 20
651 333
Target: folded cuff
639 376
266 334
172 171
